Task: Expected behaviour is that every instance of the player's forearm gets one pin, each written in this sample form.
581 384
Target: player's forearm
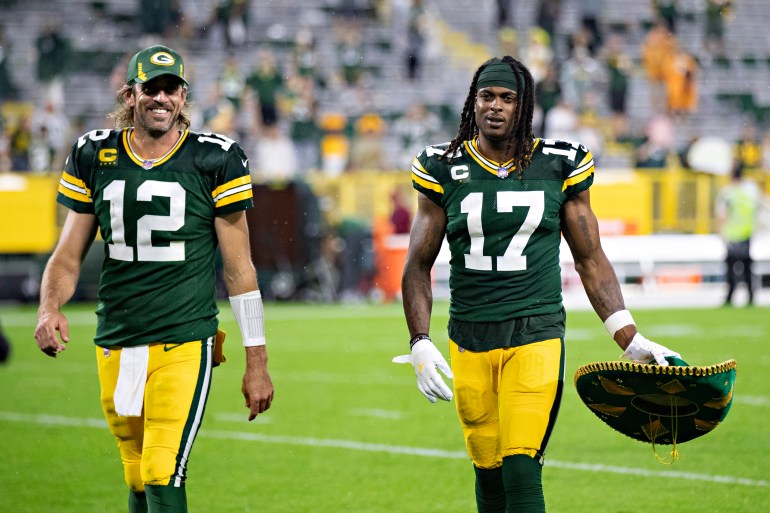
238 271
604 293
417 294
58 284
240 279
602 287
425 239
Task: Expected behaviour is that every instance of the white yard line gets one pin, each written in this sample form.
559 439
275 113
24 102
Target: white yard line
57 420
752 400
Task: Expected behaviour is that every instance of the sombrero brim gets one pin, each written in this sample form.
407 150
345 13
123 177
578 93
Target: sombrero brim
654 404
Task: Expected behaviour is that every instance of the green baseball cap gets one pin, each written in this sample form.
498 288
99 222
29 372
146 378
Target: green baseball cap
153 62
658 405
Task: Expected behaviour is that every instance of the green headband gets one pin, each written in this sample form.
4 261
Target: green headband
498 74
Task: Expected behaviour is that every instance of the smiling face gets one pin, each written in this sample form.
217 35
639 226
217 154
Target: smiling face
157 104
495 112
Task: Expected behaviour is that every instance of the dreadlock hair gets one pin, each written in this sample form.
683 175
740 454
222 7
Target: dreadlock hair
521 140
124 115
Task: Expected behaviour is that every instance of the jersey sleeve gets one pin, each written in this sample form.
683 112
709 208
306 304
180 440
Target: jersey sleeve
424 175
581 176
232 190
74 190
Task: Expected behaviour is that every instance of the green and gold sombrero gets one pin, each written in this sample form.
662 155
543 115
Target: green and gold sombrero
658 405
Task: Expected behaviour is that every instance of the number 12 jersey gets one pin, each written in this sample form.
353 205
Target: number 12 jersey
157 221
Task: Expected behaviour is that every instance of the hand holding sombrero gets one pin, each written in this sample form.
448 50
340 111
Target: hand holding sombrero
657 397
658 404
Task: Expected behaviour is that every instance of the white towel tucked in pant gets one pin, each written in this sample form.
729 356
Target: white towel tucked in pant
129 392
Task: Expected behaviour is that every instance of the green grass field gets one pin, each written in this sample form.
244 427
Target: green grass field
349 432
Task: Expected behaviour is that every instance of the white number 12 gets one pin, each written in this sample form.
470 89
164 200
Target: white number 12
114 193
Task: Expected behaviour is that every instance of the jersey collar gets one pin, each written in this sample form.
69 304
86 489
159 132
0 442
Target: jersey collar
149 163
472 147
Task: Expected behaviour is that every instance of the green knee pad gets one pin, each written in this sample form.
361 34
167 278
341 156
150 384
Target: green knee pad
522 478
166 499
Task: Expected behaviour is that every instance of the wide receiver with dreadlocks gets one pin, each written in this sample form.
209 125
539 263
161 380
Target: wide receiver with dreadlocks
502 198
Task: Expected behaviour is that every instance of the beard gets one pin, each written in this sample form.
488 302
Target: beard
155 129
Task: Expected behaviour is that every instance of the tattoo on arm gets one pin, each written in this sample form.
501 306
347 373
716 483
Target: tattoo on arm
586 230
608 298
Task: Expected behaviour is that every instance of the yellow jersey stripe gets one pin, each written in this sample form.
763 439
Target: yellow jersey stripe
241 180
426 184
77 196
584 166
244 195
75 183
420 171
74 188
589 156
572 180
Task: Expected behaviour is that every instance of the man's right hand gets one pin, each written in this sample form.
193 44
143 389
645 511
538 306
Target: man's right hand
48 324
426 359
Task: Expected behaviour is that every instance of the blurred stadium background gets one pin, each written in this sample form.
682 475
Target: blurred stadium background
360 86
332 98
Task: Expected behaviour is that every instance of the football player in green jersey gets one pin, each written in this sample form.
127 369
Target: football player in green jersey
502 199
163 198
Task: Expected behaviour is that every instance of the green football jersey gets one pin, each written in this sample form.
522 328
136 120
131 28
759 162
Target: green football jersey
157 220
504 235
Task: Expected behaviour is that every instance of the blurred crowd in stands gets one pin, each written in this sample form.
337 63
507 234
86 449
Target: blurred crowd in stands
268 96
269 99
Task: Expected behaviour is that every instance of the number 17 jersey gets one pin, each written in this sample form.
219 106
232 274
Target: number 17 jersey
504 234
157 220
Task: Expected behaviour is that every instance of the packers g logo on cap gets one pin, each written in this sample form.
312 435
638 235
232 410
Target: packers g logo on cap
162 59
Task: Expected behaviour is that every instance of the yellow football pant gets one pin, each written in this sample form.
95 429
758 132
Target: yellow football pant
155 447
507 399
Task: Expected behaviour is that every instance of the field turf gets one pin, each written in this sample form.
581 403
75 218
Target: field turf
349 432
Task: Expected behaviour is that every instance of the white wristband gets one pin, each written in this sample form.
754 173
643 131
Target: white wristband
617 321
250 316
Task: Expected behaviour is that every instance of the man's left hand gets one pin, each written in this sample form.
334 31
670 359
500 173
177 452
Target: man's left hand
257 387
641 350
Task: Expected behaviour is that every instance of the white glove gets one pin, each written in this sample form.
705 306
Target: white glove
641 350
426 358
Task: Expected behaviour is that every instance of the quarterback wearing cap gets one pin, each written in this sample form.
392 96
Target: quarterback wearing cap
163 198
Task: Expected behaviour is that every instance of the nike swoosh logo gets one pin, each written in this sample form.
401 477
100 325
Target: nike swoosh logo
245 162
169 347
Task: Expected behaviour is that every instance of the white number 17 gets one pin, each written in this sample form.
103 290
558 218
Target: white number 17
513 259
